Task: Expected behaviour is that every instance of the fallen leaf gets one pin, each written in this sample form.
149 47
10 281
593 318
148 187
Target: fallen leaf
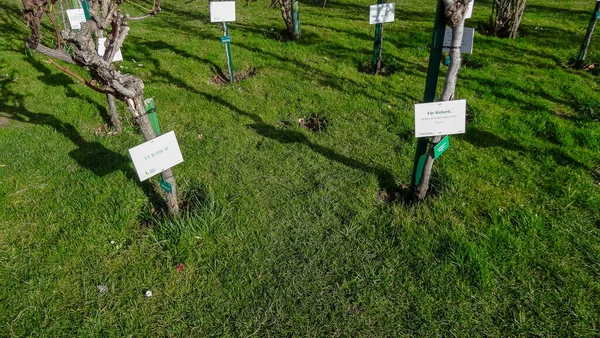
179 267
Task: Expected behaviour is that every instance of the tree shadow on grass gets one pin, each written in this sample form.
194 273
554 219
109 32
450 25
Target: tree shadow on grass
385 177
485 139
64 81
92 156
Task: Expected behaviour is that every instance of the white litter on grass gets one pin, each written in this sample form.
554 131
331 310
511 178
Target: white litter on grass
148 293
102 288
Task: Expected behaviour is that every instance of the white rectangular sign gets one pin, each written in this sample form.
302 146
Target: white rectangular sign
440 118
382 13
467 40
76 17
222 11
469 11
101 48
155 156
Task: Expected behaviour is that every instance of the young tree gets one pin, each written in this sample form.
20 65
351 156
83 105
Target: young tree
506 17
105 19
454 14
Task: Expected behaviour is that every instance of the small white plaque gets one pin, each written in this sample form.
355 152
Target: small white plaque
467 40
440 118
222 11
101 48
469 11
382 13
155 156
76 17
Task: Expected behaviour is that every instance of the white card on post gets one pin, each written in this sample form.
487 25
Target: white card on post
222 11
101 49
440 118
467 40
155 156
76 17
382 13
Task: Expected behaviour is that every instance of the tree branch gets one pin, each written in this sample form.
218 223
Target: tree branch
57 54
79 78
153 12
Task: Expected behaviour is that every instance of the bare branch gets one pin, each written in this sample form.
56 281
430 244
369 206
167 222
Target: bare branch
58 44
79 78
57 54
153 12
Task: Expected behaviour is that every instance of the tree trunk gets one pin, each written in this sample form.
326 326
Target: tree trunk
508 17
454 18
142 120
114 114
286 13
378 50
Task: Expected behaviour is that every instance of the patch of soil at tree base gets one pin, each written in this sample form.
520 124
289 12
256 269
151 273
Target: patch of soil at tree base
384 71
314 123
4 121
225 79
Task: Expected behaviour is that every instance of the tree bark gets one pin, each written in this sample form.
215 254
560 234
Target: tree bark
508 17
286 13
114 114
455 10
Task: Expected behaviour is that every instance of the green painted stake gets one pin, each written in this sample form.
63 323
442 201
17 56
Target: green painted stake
226 39
296 17
435 57
86 10
152 116
377 44
588 36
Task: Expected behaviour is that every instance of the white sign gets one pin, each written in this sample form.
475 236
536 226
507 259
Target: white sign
467 40
155 156
440 118
469 11
76 17
101 48
382 13
222 11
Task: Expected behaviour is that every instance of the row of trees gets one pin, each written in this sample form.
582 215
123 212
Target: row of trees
106 20
505 17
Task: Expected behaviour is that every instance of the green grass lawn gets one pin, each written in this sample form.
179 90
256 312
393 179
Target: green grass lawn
285 231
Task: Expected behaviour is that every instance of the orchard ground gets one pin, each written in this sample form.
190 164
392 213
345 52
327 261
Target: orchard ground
294 231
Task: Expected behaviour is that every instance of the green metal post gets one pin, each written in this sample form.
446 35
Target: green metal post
296 17
228 51
377 44
435 57
588 35
152 116
86 10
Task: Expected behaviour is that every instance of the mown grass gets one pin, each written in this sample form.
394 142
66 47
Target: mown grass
284 231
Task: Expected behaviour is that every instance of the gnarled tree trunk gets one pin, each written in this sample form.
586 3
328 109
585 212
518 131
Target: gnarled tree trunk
104 17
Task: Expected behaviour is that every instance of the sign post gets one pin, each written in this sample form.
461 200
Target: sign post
378 15
588 36
226 40
224 11
296 17
433 71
